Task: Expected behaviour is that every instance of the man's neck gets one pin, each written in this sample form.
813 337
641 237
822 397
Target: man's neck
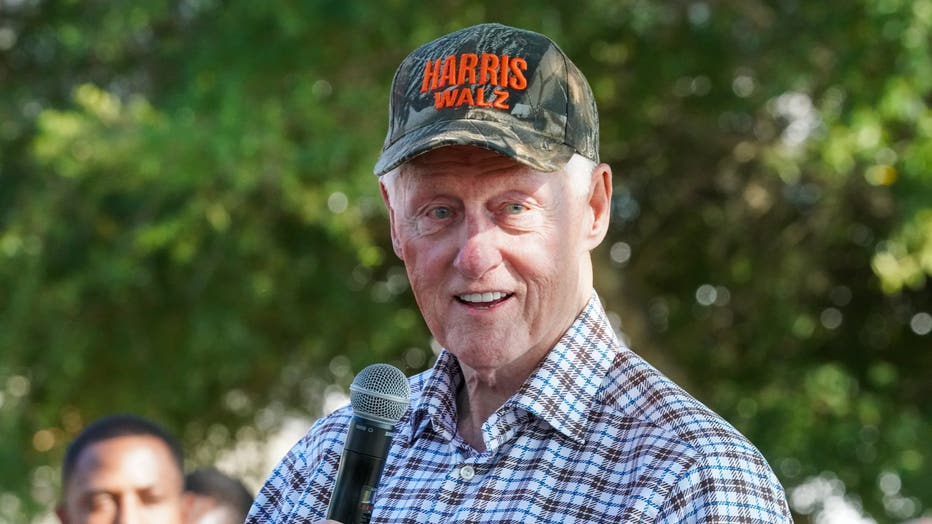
485 390
479 396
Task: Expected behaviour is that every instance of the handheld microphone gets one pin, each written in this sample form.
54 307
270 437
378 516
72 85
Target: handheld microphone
379 395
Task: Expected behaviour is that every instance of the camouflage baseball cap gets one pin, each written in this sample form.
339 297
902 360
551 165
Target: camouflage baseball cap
498 87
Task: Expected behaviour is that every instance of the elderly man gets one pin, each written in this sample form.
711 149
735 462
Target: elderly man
533 412
124 469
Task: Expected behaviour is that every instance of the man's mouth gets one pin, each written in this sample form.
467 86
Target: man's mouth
483 300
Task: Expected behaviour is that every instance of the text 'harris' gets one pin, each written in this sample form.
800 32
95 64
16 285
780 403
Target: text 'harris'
457 75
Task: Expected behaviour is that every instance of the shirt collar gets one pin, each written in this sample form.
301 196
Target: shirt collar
437 402
561 390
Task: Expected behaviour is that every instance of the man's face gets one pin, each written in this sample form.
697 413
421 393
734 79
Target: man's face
496 253
131 479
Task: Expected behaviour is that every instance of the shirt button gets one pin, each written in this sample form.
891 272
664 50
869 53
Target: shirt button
467 472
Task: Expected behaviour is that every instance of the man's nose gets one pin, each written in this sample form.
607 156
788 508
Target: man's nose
479 249
128 512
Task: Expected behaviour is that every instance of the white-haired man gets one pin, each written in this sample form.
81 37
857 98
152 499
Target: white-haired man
533 412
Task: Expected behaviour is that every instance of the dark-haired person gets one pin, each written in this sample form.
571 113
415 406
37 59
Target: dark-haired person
216 498
123 469
534 411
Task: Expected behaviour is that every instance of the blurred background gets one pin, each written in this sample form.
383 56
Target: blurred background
190 229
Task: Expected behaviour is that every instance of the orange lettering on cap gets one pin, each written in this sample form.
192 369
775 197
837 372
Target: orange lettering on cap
503 72
431 69
500 98
480 98
444 98
448 75
471 69
468 63
459 80
518 67
465 97
489 69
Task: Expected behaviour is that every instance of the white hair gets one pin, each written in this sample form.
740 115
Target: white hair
579 169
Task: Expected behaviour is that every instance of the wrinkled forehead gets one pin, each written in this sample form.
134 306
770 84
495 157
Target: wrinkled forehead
467 178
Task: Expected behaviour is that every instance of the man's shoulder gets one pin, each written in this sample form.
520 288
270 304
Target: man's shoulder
315 456
718 462
637 391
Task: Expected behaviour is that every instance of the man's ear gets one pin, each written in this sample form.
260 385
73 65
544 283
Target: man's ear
396 243
600 206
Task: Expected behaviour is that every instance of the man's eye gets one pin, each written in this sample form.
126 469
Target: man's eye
514 209
440 213
150 498
100 502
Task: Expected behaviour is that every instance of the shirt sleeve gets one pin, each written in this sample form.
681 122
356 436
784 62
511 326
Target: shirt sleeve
278 497
725 488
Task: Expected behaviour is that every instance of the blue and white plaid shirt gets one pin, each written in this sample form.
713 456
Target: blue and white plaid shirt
595 435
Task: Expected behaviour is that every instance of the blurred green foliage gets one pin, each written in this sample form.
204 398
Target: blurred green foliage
190 230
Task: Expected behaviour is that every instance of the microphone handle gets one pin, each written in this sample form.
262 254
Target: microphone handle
360 469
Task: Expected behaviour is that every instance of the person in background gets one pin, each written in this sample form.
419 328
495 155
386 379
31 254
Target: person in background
125 469
534 410
216 498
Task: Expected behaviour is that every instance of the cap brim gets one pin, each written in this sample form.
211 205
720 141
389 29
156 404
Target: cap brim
546 157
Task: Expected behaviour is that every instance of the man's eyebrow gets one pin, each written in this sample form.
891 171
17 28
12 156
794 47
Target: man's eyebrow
94 491
151 489
91 493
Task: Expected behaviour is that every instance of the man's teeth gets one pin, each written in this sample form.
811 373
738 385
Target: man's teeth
483 297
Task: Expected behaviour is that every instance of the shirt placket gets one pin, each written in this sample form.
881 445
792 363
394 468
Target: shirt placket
458 487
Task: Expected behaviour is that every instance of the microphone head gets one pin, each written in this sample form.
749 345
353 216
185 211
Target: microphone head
380 392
